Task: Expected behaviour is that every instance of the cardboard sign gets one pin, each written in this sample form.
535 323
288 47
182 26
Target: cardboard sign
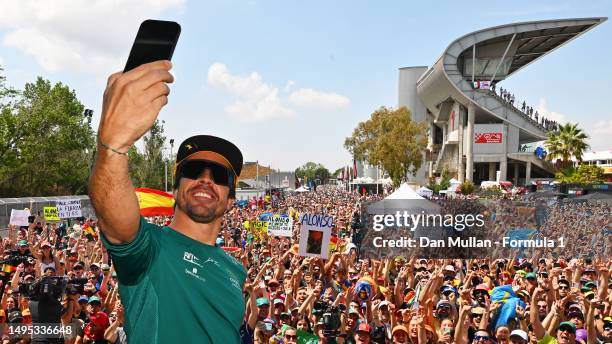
19 217
315 235
69 208
280 226
260 229
488 138
51 214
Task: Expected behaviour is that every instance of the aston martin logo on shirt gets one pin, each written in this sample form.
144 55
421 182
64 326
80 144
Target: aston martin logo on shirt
191 258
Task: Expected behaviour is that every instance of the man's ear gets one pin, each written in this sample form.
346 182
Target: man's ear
230 203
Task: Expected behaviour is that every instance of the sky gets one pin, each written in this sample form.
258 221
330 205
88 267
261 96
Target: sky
288 81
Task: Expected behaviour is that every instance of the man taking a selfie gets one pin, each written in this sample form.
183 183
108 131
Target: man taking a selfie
175 284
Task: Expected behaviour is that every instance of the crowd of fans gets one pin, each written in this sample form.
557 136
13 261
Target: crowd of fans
527 110
562 297
54 274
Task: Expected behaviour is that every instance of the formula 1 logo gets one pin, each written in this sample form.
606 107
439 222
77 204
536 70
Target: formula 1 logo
488 138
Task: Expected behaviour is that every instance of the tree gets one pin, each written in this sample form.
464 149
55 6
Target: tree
338 173
584 174
312 171
392 140
147 167
46 143
568 142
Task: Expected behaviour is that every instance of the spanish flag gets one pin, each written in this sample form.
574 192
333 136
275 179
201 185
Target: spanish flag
154 202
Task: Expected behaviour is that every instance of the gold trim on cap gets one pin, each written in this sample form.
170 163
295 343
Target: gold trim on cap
207 151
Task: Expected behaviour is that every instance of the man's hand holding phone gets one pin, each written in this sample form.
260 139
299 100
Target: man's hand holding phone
132 102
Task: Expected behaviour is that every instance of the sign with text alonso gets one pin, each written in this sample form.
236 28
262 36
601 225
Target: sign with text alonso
315 234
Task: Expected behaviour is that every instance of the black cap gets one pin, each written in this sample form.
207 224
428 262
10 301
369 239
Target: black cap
208 143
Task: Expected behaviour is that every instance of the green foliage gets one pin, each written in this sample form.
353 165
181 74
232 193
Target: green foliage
312 170
445 180
338 173
568 142
584 174
46 144
147 166
467 187
392 140
490 192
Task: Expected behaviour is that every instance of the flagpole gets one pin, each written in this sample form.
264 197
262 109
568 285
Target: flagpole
257 177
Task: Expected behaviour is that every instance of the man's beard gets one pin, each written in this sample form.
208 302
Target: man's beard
207 215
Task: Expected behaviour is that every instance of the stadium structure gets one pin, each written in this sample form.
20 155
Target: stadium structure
474 134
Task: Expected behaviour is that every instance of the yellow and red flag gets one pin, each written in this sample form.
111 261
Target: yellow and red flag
154 202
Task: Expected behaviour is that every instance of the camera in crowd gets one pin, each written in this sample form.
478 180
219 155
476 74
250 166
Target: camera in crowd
44 288
330 318
15 260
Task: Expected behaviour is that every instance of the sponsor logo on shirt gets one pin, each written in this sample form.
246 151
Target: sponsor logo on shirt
212 261
194 272
191 258
235 283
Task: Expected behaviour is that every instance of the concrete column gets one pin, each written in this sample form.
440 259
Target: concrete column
460 149
444 133
492 171
469 152
503 168
430 135
528 173
516 173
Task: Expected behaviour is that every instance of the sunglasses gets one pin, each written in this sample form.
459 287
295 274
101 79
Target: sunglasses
290 337
474 315
193 169
477 338
563 287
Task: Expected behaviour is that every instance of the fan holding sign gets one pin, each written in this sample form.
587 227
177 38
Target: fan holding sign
315 235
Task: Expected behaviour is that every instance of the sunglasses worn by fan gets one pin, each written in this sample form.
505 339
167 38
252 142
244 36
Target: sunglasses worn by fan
193 169
478 338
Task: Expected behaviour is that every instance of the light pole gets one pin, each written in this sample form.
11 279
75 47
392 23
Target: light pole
88 114
166 164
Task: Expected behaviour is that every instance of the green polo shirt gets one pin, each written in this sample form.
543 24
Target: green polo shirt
177 290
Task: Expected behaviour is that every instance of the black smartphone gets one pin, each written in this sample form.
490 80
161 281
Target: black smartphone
156 40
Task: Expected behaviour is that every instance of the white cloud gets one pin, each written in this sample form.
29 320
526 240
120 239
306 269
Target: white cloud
257 100
600 135
289 85
551 115
92 36
307 97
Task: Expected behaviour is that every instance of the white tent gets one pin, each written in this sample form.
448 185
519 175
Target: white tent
404 192
301 189
424 192
363 180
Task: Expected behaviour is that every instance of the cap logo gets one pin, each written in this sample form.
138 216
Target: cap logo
189 146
